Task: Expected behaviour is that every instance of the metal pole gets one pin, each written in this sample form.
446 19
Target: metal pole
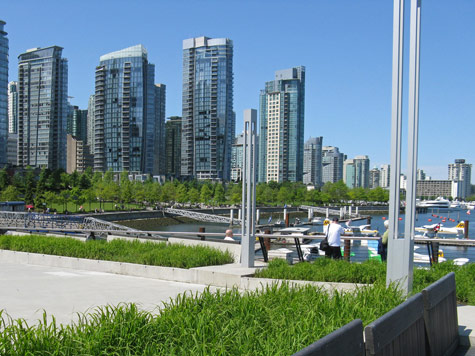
400 254
248 189
392 273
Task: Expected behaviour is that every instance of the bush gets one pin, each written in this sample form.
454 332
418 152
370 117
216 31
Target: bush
147 253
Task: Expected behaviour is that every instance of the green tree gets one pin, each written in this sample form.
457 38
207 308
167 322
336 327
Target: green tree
30 185
235 195
219 196
206 194
10 193
5 180
50 198
284 195
182 193
193 195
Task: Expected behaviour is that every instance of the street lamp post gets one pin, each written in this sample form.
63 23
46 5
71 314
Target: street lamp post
248 216
401 250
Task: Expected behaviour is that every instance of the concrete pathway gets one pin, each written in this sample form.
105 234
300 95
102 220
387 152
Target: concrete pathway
27 290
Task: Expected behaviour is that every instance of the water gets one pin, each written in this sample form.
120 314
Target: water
377 223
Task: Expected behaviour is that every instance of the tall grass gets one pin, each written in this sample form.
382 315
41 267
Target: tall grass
327 270
272 321
147 253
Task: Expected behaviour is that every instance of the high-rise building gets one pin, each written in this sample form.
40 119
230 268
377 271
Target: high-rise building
12 107
461 171
125 118
312 161
208 117
173 146
356 172
42 108
78 156
90 123
76 124
349 173
159 137
3 94
420 175
332 164
374 178
385 176
282 108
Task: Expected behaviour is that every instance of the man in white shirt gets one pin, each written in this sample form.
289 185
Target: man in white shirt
334 239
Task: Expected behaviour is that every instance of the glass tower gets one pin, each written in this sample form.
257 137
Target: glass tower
332 164
312 161
12 107
173 146
124 112
208 117
282 115
42 108
3 94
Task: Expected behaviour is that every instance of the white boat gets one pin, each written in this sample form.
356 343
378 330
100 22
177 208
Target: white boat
317 221
440 202
458 205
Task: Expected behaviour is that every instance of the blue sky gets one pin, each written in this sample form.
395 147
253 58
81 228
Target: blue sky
345 45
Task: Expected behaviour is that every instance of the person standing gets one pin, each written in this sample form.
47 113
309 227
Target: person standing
334 239
384 241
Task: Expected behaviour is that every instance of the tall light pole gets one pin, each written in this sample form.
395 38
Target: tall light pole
248 227
401 250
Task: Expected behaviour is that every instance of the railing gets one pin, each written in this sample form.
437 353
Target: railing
26 221
202 216
425 324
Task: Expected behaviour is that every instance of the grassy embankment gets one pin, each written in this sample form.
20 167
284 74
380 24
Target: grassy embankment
151 253
273 321
372 272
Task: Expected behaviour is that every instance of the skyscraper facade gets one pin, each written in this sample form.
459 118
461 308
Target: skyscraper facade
461 171
90 123
42 108
3 94
356 172
312 161
332 163
125 113
385 175
374 178
282 109
76 124
208 117
173 146
12 107
160 162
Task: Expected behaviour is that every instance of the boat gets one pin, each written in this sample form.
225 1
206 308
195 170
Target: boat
317 221
458 205
440 202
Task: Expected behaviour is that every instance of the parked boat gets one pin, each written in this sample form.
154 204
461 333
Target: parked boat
440 202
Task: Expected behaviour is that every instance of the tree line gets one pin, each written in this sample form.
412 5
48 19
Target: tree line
45 188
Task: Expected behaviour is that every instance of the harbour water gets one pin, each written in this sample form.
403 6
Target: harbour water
377 223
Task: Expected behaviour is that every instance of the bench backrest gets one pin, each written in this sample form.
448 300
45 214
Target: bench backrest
398 332
348 341
440 315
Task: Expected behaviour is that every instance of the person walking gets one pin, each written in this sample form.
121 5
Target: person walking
334 239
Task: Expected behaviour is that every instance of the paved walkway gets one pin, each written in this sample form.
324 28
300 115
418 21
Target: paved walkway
27 290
